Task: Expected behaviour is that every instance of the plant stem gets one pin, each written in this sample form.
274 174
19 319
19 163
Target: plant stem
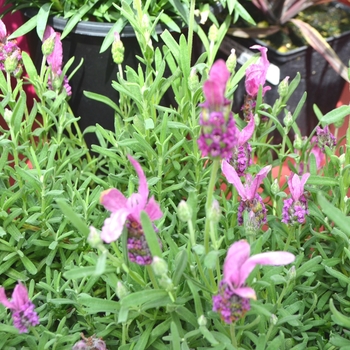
233 334
210 194
152 277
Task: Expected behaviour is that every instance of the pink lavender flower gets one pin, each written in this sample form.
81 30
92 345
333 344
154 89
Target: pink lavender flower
217 124
295 208
325 138
241 155
22 308
250 199
55 60
255 77
91 343
232 300
10 53
126 212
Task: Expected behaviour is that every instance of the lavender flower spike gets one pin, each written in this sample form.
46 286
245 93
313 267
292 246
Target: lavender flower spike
55 60
126 212
22 308
256 73
241 154
232 301
251 200
295 208
217 124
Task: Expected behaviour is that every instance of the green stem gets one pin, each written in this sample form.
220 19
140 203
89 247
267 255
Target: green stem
152 277
190 27
233 334
210 194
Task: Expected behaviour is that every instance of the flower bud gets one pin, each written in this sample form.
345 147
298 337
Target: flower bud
121 290
11 62
117 49
273 319
291 274
94 238
48 45
288 120
256 120
8 116
283 87
159 266
184 212
202 321
193 81
342 159
213 33
298 142
215 212
275 188
231 61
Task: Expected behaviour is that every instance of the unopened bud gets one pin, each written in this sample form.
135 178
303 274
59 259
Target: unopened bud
291 274
215 212
121 290
159 266
117 49
94 238
231 61
11 63
288 120
193 81
256 120
283 87
202 321
184 212
213 33
275 188
166 283
8 116
48 45
145 22
342 159
273 319
298 142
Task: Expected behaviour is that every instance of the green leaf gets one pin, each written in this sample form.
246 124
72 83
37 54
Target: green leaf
24 28
43 16
29 266
338 317
322 180
180 263
336 115
340 219
18 112
136 299
151 236
175 337
73 217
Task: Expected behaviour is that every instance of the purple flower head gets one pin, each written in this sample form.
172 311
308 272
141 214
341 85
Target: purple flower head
22 308
232 301
91 343
325 138
241 153
251 200
295 208
127 209
55 60
214 88
256 73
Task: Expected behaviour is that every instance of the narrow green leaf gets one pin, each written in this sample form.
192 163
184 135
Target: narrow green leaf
24 28
29 266
43 16
180 263
175 337
73 217
151 236
138 298
338 317
18 112
336 115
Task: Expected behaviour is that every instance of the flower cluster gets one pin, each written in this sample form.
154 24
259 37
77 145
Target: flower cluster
22 308
91 343
232 300
217 137
325 138
10 54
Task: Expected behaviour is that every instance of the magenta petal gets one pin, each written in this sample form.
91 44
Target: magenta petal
296 185
113 226
246 132
233 178
19 296
214 96
143 187
253 188
49 32
245 292
303 180
237 254
3 30
153 210
113 200
55 59
219 73
269 258
3 299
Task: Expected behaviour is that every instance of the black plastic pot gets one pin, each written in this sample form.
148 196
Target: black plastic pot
322 84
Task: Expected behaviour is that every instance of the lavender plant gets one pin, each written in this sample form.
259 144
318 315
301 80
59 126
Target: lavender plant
157 239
